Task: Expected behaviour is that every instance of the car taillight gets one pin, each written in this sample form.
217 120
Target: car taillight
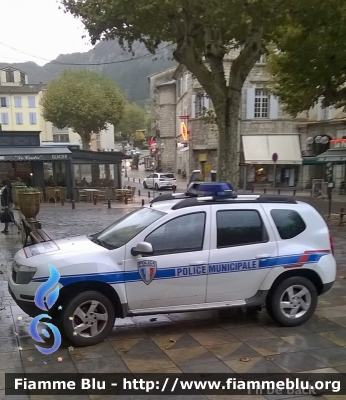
331 243
162 180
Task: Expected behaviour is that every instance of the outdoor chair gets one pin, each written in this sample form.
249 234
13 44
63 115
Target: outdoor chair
101 194
131 195
81 195
50 194
63 193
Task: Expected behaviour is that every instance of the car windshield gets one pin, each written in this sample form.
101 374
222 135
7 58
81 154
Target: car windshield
125 229
170 176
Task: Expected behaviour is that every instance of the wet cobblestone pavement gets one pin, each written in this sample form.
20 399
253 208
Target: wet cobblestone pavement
211 341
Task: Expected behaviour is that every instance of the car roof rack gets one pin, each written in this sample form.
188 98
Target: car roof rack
196 201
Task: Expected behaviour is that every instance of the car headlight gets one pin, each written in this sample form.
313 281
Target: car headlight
22 274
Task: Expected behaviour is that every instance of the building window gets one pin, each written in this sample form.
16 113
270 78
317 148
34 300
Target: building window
17 101
19 118
4 118
261 104
31 100
9 75
3 102
22 78
32 118
61 138
201 105
180 86
57 130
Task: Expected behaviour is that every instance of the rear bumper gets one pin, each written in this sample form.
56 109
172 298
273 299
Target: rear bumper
327 286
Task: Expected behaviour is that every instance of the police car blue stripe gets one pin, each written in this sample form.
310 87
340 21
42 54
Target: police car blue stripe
188 271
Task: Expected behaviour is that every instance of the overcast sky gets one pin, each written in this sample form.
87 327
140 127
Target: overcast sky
39 28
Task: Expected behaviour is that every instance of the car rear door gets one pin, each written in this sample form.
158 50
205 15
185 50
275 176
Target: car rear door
242 251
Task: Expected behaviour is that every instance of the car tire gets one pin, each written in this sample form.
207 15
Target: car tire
77 312
156 186
145 185
292 301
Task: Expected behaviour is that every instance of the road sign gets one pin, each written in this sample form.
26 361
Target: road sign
275 157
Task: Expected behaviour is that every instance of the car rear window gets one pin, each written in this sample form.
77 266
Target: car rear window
170 176
288 223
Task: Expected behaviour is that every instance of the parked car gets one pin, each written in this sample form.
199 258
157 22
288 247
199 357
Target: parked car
180 254
159 181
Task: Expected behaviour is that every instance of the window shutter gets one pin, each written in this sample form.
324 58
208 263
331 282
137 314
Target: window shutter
206 102
273 107
250 103
193 106
7 101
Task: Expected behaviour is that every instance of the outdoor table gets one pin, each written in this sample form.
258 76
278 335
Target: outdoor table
89 193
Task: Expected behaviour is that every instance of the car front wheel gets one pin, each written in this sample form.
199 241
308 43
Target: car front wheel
293 301
88 318
145 185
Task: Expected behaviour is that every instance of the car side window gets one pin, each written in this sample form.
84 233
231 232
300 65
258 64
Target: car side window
288 223
155 175
150 176
239 228
179 235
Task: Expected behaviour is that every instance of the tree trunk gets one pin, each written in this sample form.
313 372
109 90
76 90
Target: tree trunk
227 115
85 137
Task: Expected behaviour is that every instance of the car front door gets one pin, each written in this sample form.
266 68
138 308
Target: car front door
176 273
242 251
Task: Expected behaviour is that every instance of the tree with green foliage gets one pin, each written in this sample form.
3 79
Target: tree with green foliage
83 101
204 33
311 64
135 118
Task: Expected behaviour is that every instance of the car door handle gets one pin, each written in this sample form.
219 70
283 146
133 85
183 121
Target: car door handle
263 256
195 263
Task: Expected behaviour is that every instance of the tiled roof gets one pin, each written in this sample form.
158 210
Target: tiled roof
29 88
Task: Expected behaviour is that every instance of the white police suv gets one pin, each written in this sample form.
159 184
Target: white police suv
184 253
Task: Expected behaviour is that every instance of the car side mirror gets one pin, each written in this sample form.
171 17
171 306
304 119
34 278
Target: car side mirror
143 248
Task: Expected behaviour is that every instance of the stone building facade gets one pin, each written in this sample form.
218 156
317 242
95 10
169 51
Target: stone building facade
264 129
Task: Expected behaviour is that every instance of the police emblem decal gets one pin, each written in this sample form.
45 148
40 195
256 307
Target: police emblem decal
147 270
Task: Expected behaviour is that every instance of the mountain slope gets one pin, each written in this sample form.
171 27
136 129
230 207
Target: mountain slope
131 76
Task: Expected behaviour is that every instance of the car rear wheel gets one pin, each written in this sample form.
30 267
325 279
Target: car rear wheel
156 186
145 185
293 301
88 318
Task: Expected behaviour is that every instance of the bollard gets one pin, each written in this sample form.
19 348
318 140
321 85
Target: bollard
265 190
139 181
174 189
133 180
148 195
160 194
279 191
139 193
62 201
294 192
311 193
125 200
142 202
252 189
73 204
128 179
95 200
109 204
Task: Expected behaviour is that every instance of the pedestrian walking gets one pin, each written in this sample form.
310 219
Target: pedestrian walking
7 215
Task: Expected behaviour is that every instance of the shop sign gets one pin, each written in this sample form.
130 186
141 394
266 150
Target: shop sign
37 157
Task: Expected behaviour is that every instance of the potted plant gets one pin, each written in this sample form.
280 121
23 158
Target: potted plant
29 203
16 186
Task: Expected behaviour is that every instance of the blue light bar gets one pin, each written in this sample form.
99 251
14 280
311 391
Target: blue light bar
214 189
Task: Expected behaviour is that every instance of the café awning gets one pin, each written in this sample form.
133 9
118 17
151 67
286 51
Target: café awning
34 153
333 156
259 149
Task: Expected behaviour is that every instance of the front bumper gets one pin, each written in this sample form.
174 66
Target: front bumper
29 307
